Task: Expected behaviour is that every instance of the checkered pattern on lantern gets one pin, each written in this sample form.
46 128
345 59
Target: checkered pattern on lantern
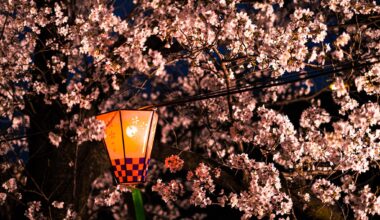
130 170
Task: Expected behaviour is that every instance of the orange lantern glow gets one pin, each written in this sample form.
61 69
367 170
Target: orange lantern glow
129 136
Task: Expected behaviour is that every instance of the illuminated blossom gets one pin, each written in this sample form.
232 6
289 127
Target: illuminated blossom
33 211
10 185
58 205
169 191
326 191
264 197
174 163
342 40
3 197
54 139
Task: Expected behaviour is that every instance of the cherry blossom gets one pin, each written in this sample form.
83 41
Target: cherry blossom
58 205
33 211
326 191
174 163
168 191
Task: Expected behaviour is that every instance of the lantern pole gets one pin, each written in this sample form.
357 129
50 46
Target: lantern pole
138 203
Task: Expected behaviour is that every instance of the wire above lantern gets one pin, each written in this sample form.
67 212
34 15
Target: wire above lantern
129 136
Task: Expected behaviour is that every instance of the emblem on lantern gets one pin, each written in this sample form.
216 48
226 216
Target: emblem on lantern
129 136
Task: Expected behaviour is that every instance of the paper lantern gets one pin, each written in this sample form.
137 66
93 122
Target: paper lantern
129 136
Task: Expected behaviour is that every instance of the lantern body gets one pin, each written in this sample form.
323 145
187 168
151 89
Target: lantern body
129 136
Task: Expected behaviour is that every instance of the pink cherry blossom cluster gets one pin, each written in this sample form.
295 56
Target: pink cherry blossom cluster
370 82
3 197
10 185
201 184
264 196
174 163
14 183
34 211
104 194
89 129
313 117
169 191
275 134
326 191
363 203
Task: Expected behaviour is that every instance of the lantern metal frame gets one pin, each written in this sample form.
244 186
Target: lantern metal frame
149 135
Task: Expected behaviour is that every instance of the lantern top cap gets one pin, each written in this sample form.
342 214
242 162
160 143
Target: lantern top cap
139 110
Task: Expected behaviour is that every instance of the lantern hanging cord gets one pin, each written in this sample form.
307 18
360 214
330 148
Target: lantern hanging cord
264 84
234 90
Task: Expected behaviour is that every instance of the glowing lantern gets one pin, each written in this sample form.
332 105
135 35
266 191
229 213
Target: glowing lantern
129 136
